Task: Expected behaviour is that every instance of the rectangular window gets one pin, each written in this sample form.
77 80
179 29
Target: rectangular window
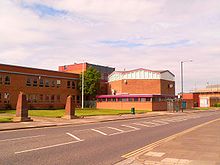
58 83
74 98
34 98
124 99
52 99
0 97
119 99
148 99
47 83
78 99
47 98
41 98
28 82
58 98
136 99
73 85
68 84
52 83
143 99
41 83
114 99
35 82
130 99
0 79
7 80
109 99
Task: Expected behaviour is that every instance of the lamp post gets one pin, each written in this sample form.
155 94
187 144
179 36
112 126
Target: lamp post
182 81
83 86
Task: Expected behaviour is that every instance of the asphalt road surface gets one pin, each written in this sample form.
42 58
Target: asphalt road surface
92 144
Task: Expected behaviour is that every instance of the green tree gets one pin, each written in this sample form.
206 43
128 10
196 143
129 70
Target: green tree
91 82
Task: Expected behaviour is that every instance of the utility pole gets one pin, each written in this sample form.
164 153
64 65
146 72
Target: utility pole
83 86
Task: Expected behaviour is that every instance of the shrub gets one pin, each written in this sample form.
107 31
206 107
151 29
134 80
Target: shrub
217 105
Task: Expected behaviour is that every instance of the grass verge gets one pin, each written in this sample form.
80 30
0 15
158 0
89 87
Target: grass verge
4 119
79 112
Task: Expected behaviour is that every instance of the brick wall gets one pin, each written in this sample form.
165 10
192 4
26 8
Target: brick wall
18 82
134 86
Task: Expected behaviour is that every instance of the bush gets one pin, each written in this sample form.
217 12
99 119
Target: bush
217 105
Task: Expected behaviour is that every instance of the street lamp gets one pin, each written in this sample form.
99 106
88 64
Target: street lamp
83 85
182 80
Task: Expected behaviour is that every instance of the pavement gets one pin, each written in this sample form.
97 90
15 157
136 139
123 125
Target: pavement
199 145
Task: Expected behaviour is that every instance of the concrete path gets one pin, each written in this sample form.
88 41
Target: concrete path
197 146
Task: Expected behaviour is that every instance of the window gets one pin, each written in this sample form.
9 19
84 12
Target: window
41 83
47 83
119 99
143 99
68 84
35 82
73 85
74 98
47 98
0 97
0 79
136 99
130 99
41 98
6 98
52 83
52 98
7 80
28 82
124 99
109 99
58 98
58 83
114 99
103 99
34 98
78 99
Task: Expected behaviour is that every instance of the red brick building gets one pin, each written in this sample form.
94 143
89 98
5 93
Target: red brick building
140 88
44 88
78 68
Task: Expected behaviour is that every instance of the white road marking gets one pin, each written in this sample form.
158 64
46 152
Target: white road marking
128 126
160 121
27 137
121 132
141 124
116 129
99 131
41 148
75 137
152 124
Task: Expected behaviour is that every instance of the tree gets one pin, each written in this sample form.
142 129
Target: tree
91 82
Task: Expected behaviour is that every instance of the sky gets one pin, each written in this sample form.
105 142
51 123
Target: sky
125 34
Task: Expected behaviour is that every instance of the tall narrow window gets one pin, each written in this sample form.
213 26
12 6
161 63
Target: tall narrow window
47 98
52 98
41 98
41 83
53 83
68 84
73 85
0 79
7 80
0 97
58 83
35 82
47 83
58 98
28 82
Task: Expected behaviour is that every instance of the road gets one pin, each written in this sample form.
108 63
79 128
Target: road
95 144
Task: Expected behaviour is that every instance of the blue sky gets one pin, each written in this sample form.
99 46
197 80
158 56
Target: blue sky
126 34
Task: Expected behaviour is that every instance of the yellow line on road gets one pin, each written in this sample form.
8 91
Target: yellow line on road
158 143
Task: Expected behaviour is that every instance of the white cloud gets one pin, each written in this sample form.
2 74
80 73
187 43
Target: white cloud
164 32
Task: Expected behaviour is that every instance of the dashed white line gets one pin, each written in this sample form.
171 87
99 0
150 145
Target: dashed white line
75 137
116 129
27 137
41 148
128 126
99 131
141 124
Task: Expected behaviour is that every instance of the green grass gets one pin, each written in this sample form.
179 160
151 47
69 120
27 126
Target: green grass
79 112
203 109
5 119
